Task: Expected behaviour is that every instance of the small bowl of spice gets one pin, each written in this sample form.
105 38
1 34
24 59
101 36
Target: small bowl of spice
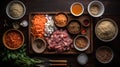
77 9
81 43
61 19
86 22
96 8
74 27
15 9
39 45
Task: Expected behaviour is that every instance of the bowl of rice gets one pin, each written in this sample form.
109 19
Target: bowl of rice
106 29
15 10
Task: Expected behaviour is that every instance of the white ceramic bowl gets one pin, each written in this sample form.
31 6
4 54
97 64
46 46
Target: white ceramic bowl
100 7
87 45
8 8
82 58
77 9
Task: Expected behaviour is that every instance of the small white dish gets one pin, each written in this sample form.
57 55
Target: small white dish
82 58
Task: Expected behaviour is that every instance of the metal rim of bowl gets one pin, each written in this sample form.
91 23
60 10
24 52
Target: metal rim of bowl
79 4
79 49
107 48
7 9
42 50
5 42
92 2
114 23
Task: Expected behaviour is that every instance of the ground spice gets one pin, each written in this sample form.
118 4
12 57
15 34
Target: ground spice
77 9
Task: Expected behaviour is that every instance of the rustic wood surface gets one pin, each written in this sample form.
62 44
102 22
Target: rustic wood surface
112 10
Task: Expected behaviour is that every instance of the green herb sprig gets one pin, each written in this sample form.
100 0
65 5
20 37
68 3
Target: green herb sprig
19 57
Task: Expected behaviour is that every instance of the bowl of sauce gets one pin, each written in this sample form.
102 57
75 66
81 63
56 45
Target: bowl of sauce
77 9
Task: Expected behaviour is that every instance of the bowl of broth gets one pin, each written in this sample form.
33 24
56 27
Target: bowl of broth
77 9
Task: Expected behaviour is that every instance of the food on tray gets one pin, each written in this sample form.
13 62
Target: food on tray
104 54
86 22
13 39
83 31
106 30
49 26
94 9
61 20
39 45
38 25
73 27
81 42
16 9
59 41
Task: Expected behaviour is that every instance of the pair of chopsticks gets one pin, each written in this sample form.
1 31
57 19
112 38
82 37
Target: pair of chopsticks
54 63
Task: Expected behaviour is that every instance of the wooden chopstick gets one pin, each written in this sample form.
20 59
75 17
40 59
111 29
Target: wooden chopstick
58 64
60 61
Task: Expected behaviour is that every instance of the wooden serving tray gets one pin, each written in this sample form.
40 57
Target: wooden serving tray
70 17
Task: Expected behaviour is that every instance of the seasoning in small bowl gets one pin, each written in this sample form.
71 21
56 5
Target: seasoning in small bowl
77 9
81 43
86 23
83 31
74 27
61 19
96 8
38 45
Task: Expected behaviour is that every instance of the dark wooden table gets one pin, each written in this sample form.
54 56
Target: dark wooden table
112 10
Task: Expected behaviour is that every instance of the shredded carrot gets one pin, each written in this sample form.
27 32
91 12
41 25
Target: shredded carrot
38 25
13 39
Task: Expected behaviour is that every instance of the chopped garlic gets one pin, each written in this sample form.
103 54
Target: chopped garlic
49 26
